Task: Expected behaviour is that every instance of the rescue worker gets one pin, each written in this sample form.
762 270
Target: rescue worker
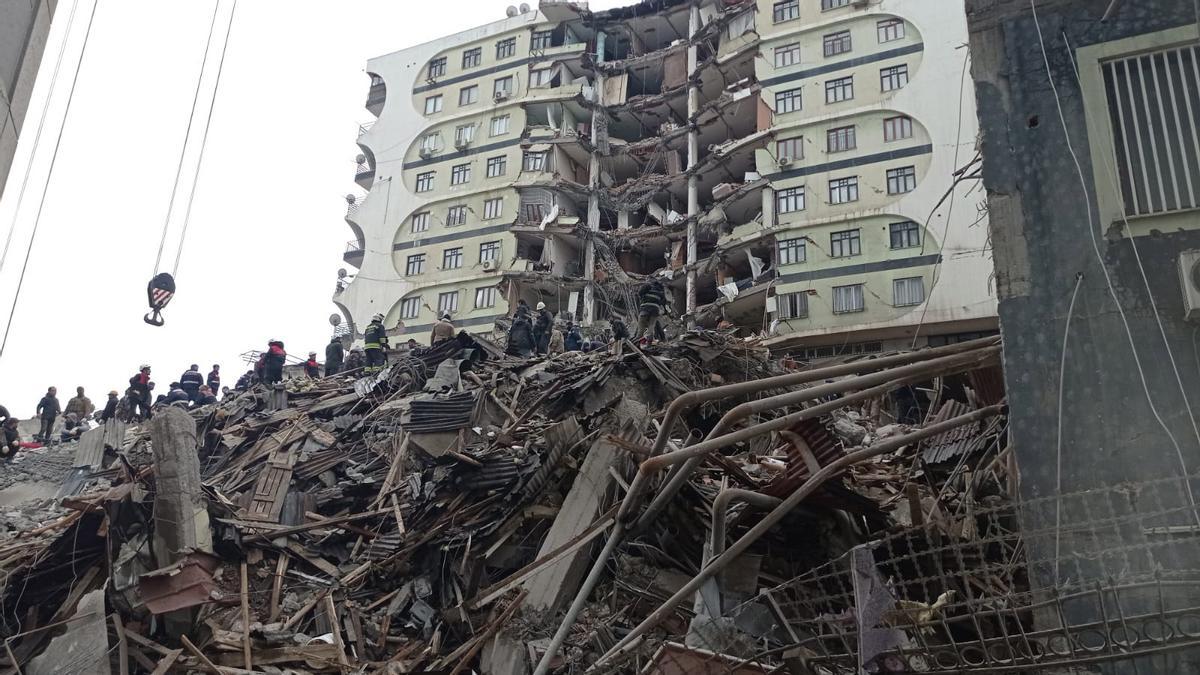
214 379
260 369
311 367
619 330
47 411
206 397
556 344
573 341
354 362
520 336
190 381
139 393
177 394
442 330
11 440
245 381
541 328
80 405
110 407
523 308
334 353
273 362
73 428
375 340
652 299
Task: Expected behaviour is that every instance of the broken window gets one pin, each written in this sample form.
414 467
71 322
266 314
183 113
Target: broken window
792 251
896 128
485 297
848 299
740 24
496 166
541 77
890 30
502 88
787 101
841 89
845 243
456 215
787 55
452 258
489 250
905 235
414 265
786 10
433 104
492 208
468 95
534 161
460 174
793 305
542 39
840 139
790 148
833 4
893 78
789 200
499 125
837 43
901 180
431 142
425 181
532 212
437 67
472 57
843 190
448 302
464 134
420 222
506 48
410 308
908 292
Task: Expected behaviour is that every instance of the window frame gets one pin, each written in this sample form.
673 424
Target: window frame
792 97
846 190
837 43
464 134
508 87
788 249
827 5
785 10
456 215
507 119
795 143
437 67
790 54
431 141
471 95
534 160
541 77
506 48
856 292
839 86
413 303
424 181
491 249
488 295
895 295
488 212
460 174
902 122
841 139
416 260
792 301
496 166
445 307
794 196
434 102
541 40
890 30
452 258
419 222
907 174
910 237
472 58
842 240
893 78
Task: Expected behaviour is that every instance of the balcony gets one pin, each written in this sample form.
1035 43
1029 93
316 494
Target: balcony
364 173
376 95
365 127
354 253
353 204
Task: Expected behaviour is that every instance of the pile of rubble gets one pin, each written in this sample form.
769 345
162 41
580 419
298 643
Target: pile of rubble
444 514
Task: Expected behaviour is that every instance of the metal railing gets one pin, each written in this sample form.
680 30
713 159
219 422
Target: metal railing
353 246
365 127
363 169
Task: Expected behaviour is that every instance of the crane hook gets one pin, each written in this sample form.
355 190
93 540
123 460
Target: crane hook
159 292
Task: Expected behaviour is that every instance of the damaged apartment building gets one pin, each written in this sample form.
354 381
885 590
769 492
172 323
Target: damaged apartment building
805 171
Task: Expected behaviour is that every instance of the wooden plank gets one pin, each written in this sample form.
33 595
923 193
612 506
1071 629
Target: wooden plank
316 561
166 662
199 655
246 618
122 644
335 626
281 566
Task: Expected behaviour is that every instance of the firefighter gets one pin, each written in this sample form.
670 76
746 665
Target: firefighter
311 367
542 325
273 362
190 381
652 299
139 393
214 379
375 341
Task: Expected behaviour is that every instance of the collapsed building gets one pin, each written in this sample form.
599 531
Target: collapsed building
790 168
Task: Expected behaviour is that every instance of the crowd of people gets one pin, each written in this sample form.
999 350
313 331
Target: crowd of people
539 332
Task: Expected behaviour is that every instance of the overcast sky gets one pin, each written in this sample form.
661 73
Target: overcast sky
266 232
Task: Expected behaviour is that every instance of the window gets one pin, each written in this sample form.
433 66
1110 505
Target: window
787 10
492 208
502 88
841 89
533 161
489 250
789 200
905 235
848 299
499 125
433 104
908 292
447 302
437 67
496 166
425 181
485 297
787 101
542 39
792 251
431 142
452 258
456 215
506 48
790 148
460 174
833 4
890 30
901 180
468 95
463 135
420 222
540 77
837 43
840 139
787 55
410 308
793 305
896 128
891 79
845 243
843 190
472 57
415 265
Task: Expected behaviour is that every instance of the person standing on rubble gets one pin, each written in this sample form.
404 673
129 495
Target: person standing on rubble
334 353
110 407
520 336
542 326
652 299
375 340
214 379
47 411
354 362
139 393
442 330
573 341
273 361
81 406
557 343
245 381
311 367
190 381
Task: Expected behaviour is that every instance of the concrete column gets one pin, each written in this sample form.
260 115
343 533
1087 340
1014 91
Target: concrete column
692 159
593 217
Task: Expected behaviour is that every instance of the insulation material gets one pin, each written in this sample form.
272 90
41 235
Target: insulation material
729 290
756 265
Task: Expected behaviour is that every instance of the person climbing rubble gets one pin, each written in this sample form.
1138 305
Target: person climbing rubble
273 361
190 381
177 394
652 304
442 330
354 362
245 381
110 407
573 340
206 397
520 336
214 379
81 406
334 354
375 340
47 411
311 367
557 344
139 393
542 326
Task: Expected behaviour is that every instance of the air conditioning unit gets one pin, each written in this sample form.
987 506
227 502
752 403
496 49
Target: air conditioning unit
500 96
426 153
1189 280
462 143
488 265
785 161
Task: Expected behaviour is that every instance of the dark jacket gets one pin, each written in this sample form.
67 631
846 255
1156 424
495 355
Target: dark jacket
573 341
520 336
375 337
312 368
191 381
214 381
544 320
334 353
4 413
110 410
652 296
244 381
619 329
48 408
275 356
177 395
140 384
206 399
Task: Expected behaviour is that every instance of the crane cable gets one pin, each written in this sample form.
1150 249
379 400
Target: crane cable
37 220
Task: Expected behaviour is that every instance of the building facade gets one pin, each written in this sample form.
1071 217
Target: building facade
24 27
798 169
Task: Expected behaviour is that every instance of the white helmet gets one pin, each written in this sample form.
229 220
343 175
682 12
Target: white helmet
541 305
377 317
143 367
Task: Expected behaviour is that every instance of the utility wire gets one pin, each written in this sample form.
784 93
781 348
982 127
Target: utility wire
187 217
37 220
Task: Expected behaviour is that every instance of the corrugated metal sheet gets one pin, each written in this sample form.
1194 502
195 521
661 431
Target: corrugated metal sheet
442 413
968 438
826 447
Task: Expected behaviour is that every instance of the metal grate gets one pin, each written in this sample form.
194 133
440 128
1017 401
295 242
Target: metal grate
1153 105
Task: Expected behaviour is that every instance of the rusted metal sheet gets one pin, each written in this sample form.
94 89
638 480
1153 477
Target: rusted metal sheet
825 446
187 583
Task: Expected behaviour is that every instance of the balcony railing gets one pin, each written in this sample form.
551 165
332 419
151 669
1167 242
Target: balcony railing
353 203
365 127
363 169
353 246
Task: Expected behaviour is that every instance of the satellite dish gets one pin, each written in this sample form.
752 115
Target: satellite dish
361 158
399 328
524 7
341 275
511 11
335 319
350 199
